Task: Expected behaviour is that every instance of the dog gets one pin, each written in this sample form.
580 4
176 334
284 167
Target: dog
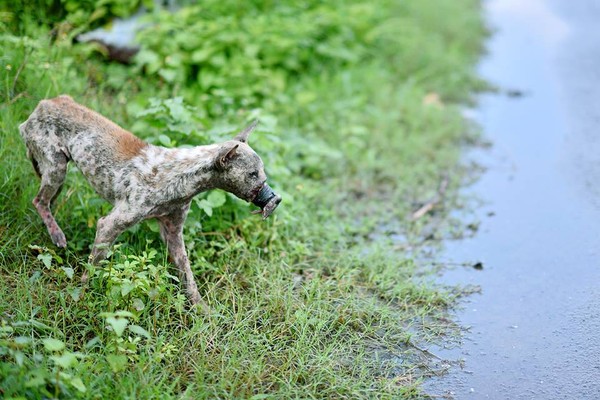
140 180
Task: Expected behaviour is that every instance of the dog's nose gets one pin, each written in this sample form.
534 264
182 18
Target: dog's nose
264 196
267 200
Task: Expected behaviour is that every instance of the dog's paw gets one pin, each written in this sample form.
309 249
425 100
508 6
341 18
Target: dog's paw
59 239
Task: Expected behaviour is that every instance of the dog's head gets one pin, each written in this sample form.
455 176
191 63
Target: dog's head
242 172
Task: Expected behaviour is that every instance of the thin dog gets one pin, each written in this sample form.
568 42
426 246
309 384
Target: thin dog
141 180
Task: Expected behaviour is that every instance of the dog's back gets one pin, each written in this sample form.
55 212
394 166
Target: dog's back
65 119
60 130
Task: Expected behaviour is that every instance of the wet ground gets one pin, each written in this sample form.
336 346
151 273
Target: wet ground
535 328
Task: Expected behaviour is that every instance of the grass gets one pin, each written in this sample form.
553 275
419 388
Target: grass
328 298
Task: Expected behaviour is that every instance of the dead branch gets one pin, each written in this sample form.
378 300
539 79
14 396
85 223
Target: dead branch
427 207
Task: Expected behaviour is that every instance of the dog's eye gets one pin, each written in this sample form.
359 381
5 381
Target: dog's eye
254 174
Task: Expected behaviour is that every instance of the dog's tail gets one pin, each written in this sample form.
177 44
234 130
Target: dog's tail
23 132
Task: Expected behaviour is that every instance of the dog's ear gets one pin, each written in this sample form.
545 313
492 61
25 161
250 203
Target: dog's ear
226 156
243 135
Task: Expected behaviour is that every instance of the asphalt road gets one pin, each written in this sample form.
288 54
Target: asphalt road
535 328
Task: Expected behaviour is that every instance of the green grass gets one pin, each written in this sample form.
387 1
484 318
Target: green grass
322 300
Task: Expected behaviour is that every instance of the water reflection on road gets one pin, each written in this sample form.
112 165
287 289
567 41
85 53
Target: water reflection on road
535 328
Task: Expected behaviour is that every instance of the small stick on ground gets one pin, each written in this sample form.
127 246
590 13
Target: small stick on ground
430 205
424 351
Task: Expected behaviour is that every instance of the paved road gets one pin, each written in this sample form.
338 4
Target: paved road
535 329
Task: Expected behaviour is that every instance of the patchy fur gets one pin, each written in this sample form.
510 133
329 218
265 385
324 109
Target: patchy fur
141 180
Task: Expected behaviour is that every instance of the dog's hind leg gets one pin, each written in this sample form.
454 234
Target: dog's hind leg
52 169
171 232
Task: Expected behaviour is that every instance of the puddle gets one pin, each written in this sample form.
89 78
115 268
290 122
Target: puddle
534 330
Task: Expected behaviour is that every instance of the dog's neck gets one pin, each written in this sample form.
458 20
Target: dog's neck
180 173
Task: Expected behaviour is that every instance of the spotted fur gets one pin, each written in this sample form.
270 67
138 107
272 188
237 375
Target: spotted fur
140 180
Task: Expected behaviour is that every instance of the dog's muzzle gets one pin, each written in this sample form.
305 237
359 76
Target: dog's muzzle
267 200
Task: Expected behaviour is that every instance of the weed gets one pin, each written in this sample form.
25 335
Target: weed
359 104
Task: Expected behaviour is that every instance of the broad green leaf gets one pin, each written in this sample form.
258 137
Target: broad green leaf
22 341
69 272
46 259
181 127
164 140
148 58
75 293
206 206
77 383
51 344
35 276
117 362
92 342
19 357
178 110
118 324
174 60
65 360
152 224
202 54
138 304
138 330
168 74
216 198
126 288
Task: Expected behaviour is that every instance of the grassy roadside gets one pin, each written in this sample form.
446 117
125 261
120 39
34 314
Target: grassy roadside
360 110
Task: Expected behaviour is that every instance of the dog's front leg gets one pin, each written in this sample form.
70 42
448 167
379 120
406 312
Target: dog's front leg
171 232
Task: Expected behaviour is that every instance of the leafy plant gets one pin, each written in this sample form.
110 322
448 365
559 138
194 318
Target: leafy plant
248 58
170 122
48 373
133 280
52 261
122 345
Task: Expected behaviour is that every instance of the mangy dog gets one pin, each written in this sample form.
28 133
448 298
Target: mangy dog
140 180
